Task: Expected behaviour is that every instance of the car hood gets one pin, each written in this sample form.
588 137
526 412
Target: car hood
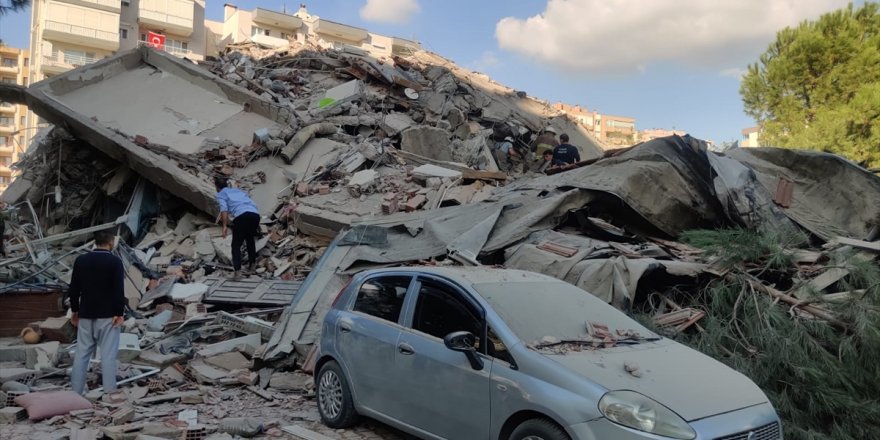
686 381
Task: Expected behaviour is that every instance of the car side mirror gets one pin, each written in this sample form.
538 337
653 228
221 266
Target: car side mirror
464 342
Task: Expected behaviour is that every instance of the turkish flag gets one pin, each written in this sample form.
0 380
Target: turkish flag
156 41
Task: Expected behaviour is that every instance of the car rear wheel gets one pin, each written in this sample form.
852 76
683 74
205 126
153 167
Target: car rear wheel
334 397
538 429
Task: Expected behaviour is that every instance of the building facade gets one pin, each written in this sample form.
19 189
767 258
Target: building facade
654 133
13 118
279 30
66 34
609 129
750 137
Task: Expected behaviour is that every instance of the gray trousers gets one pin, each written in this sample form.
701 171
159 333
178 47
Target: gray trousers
92 334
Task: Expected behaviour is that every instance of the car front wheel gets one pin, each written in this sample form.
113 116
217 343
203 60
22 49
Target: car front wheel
538 429
334 397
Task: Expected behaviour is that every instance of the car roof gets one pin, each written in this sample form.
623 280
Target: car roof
474 275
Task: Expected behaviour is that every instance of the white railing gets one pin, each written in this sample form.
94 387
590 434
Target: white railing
81 31
170 49
166 18
62 60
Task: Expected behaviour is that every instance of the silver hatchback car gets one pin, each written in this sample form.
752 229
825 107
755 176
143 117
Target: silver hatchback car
477 353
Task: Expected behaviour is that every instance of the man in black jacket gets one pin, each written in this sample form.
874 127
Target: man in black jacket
97 300
565 153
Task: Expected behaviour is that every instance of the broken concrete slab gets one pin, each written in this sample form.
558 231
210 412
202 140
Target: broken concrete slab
87 102
229 361
247 344
35 357
424 172
345 92
154 358
191 292
58 329
363 178
394 123
129 347
295 381
427 141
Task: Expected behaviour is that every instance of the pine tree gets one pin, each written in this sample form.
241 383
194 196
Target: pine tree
818 86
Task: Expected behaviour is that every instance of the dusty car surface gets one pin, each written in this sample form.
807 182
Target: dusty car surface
475 353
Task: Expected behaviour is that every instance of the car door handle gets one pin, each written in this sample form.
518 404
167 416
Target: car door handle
405 348
345 327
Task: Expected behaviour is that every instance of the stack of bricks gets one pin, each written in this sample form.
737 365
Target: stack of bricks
389 205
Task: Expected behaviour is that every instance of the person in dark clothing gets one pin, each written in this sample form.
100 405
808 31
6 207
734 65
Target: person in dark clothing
3 216
236 204
97 301
565 153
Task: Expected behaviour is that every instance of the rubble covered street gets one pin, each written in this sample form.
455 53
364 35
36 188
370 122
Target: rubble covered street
358 163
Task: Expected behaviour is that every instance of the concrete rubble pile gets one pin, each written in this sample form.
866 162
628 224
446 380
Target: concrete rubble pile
326 138
356 163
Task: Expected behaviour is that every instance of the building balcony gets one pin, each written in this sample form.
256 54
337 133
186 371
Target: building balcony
6 107
61 63
13 69
277 19
170 16
72 34
265 40
7 129
176 51
104 5
340 31
7 150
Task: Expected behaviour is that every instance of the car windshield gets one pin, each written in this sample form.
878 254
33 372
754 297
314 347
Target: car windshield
545 313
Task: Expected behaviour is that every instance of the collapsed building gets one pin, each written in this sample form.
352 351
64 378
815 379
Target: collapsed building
357 163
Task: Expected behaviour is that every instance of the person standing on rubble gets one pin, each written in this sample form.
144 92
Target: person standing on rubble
97 301
235 203
565 153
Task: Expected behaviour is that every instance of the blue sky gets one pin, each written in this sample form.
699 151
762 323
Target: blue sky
667 63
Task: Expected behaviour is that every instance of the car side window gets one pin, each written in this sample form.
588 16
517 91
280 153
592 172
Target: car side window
496 348
440 310
382 297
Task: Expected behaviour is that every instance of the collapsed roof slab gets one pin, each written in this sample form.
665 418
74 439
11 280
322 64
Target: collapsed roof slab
152 94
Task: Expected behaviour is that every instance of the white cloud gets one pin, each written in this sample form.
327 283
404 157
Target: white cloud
627 35
390 11
486 61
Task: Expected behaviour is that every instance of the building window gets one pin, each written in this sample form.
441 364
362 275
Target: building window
3 141
256 30
285 35
125 2
6 161
8 80
27 62
79 57
143 37
4 179
5 120
21 121
123 33
9 62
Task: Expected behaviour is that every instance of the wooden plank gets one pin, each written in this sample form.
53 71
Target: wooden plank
303 433
871 246
70 234
167 397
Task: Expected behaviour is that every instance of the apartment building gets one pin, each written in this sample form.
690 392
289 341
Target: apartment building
278 29
13 118
654 133
66 34
750 137
609 129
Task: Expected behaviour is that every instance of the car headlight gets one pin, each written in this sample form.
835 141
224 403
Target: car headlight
636 411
